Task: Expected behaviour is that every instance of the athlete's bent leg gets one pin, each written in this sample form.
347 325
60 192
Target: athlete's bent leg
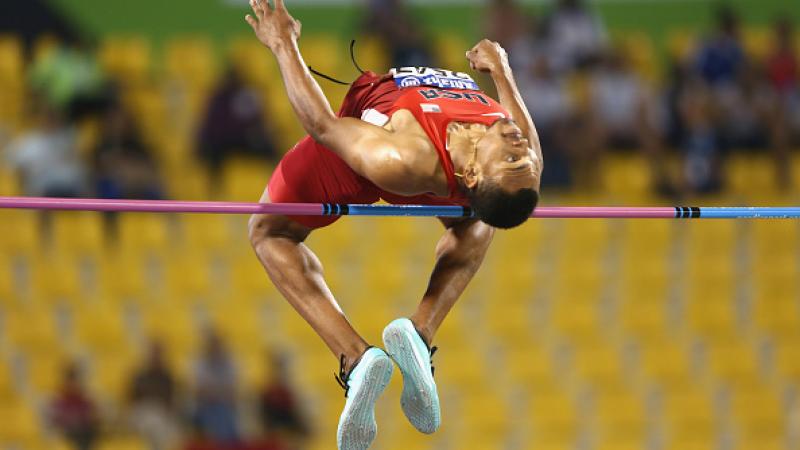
297 273
459 254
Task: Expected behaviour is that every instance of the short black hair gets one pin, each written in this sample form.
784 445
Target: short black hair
499 208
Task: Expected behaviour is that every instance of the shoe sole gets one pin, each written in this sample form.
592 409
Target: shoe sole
359 428
420 402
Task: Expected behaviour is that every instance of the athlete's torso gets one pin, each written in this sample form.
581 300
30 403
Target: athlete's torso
403 106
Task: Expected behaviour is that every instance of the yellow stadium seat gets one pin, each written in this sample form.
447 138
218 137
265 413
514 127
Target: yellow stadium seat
757 42
126 58
579 320
621 419
19 424
208 232
627 178
247 55
599 365
643 318
8 283
191 61
56 280
690 418
9 182
125 278
459 367
759 417
101 329
325 54
681 44
787 360
371 55
512 323
244 179
450 51
144 234
530 367
250 280
734 363
174 326
666 363
711 318
111 375
778 315
78 233
553 420
8 388
32 329
20 233
44 372
190 277
486 413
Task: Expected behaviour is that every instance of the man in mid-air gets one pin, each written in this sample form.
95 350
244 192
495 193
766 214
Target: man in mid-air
413 136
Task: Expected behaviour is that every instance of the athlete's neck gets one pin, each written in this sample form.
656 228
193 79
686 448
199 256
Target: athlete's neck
461 141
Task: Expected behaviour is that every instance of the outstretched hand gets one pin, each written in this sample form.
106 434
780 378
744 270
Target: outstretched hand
273 24
487 56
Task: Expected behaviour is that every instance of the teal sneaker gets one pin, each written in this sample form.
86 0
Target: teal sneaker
411 353
362 387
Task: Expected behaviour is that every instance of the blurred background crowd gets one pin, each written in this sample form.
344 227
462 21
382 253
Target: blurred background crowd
129 332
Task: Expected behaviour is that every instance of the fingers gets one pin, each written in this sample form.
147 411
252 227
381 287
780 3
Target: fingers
260 8
279 4
250 20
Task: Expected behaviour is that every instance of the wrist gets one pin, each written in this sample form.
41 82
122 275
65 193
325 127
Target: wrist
282 46
500 71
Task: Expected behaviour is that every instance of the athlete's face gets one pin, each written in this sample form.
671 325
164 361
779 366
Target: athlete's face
506 157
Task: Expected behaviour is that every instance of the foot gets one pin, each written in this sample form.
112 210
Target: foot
419 400
363 385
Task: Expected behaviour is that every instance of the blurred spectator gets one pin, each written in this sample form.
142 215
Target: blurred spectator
576 35
234 124
391 22
549 103
215 413
69 80
281 418
621 104
744 108
46 156
700 142
783 71
512 27
624 113
152 396
123 166
721 56
73 412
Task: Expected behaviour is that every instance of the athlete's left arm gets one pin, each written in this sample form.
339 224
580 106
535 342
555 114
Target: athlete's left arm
489 57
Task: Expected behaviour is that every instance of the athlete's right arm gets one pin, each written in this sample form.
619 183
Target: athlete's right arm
370 151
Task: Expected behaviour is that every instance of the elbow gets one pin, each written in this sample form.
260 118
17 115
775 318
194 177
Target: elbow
320 128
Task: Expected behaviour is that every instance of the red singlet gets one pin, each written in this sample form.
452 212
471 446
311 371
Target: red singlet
310 173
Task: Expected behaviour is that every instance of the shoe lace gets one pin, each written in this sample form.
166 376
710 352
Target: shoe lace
433 350
343 376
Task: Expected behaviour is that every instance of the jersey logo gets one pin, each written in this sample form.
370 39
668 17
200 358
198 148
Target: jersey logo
406 77
433 94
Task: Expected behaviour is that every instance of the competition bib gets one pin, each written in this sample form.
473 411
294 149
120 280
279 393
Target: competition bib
406 77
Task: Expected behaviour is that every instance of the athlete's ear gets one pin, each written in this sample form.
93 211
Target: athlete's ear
472 175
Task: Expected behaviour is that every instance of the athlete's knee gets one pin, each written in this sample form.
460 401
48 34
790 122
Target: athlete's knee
263 227
256 229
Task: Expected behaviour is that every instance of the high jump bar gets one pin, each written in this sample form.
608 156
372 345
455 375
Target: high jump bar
332 209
